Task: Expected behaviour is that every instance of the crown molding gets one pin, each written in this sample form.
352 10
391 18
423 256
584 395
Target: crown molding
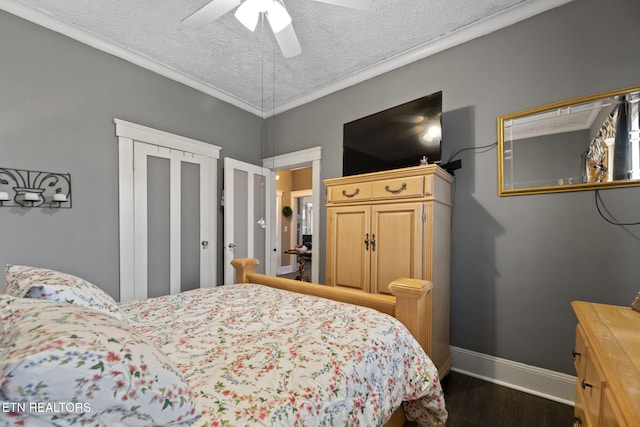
483 27
513 15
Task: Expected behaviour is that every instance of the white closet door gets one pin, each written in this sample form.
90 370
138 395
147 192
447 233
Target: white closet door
167 192
171 205
249 192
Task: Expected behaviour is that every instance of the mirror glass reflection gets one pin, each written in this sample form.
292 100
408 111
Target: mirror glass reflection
579 144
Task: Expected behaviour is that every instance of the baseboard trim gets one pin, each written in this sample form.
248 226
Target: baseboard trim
541 382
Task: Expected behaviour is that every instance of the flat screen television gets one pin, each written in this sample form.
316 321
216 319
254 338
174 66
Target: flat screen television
394 138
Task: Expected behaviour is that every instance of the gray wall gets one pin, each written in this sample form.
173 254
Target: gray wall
517 262
58 99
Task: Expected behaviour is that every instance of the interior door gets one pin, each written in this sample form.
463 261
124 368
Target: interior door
396 235
172 227
249 195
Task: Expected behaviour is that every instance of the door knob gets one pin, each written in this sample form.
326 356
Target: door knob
232 245
205 244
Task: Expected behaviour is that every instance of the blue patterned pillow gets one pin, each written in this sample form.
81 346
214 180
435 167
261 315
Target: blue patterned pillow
52 285
86 368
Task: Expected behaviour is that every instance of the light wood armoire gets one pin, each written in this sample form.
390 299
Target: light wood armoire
385 225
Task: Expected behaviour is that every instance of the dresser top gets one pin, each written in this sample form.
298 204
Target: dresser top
391 174
613 335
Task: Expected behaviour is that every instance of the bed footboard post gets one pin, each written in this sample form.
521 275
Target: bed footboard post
243 267
413 308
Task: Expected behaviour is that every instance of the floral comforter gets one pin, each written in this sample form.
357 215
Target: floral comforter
258 356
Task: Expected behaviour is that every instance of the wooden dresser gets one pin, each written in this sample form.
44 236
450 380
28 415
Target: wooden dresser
607 361
385 225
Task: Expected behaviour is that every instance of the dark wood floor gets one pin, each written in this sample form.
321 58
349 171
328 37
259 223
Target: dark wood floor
307 271
475 403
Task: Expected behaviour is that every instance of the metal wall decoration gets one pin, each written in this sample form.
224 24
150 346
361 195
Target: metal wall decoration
34 189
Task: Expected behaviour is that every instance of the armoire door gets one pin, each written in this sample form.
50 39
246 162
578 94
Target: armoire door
348 246
396 244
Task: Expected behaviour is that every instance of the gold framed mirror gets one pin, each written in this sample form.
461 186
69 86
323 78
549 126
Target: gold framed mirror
583 143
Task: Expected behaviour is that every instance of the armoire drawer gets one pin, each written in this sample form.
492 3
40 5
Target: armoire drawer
349 193
399 188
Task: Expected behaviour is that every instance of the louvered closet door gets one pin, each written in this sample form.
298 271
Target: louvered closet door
398 234
171 210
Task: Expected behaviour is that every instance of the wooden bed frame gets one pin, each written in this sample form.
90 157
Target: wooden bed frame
410 304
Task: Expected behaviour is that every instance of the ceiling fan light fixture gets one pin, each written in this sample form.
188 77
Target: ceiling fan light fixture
278 17
248 14
432 133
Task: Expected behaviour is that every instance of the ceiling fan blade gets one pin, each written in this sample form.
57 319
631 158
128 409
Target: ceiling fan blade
278 17
248 15
288 42
354 4
210 12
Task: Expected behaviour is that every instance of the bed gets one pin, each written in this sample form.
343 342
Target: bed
250 354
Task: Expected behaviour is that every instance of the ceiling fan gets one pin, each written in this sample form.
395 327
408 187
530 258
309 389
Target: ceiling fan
249 12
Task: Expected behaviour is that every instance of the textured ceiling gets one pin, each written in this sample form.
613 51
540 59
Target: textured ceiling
340 46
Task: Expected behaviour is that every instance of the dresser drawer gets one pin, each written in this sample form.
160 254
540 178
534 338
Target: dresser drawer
579 352
349 193
592 385
579 418
400 188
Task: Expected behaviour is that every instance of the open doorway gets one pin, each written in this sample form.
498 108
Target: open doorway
297 229
307 163
295 217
